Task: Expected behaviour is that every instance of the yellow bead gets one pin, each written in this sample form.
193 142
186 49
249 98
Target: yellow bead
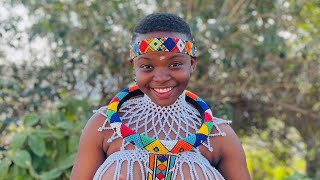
113 106
203 130
157 147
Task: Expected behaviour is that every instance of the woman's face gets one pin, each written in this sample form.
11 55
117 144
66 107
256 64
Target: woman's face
163 76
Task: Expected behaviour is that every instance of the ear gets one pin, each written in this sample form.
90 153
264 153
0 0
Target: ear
131 62
194 61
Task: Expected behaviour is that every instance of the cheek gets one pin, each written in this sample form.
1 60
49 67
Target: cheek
183 77
186 73
142 79
137 74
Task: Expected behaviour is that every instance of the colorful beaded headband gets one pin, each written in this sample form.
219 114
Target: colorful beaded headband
167 44
154 145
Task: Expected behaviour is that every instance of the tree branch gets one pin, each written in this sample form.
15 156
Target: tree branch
234 11
297 109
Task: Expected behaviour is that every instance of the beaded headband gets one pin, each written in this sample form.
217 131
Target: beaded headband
166 44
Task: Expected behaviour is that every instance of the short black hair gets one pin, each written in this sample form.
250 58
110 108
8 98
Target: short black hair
165 22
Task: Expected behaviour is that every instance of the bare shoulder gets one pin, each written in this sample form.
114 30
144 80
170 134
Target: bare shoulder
228 154
225 136
91 130
229 135
224 144
91 149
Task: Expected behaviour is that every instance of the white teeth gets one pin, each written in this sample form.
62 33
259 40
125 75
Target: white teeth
163 90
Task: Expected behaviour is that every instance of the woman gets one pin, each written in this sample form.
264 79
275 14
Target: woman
156 129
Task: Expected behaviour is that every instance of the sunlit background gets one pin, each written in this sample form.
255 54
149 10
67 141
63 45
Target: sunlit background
258 65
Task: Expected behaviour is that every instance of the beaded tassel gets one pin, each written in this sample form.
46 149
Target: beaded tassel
160 166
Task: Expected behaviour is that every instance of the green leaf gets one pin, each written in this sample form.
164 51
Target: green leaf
65 125
41 133
21 158
58 134
67 162
67 173
4 167
71 116
298 176
73 143
18 173
30 119
36 144
53 174
17 141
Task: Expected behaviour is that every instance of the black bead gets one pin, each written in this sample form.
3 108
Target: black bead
156 149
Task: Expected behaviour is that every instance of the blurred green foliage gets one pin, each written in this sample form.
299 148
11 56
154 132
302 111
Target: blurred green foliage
258 64
44 145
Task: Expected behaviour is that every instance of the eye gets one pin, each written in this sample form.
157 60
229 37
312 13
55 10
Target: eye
175 64
146 67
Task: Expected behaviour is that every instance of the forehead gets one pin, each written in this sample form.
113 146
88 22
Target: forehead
141 37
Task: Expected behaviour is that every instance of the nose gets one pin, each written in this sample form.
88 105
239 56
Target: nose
161 75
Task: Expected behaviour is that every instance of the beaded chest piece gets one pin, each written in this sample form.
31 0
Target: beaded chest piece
162 153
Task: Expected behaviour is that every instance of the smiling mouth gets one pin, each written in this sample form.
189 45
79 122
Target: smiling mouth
163 90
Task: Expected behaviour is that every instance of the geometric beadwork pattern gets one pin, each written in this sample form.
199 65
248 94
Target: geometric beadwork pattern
153 145
162 153
160 166
167 44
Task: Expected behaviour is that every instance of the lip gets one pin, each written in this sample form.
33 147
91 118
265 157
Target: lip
164 92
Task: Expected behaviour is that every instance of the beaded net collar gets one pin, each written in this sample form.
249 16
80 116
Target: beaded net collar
162 152
154 145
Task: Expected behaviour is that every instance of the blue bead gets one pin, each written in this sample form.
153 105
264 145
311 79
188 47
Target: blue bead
190 139
115 118
170 44
203 105
135 139
125 90
121 95
162 158
200 139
